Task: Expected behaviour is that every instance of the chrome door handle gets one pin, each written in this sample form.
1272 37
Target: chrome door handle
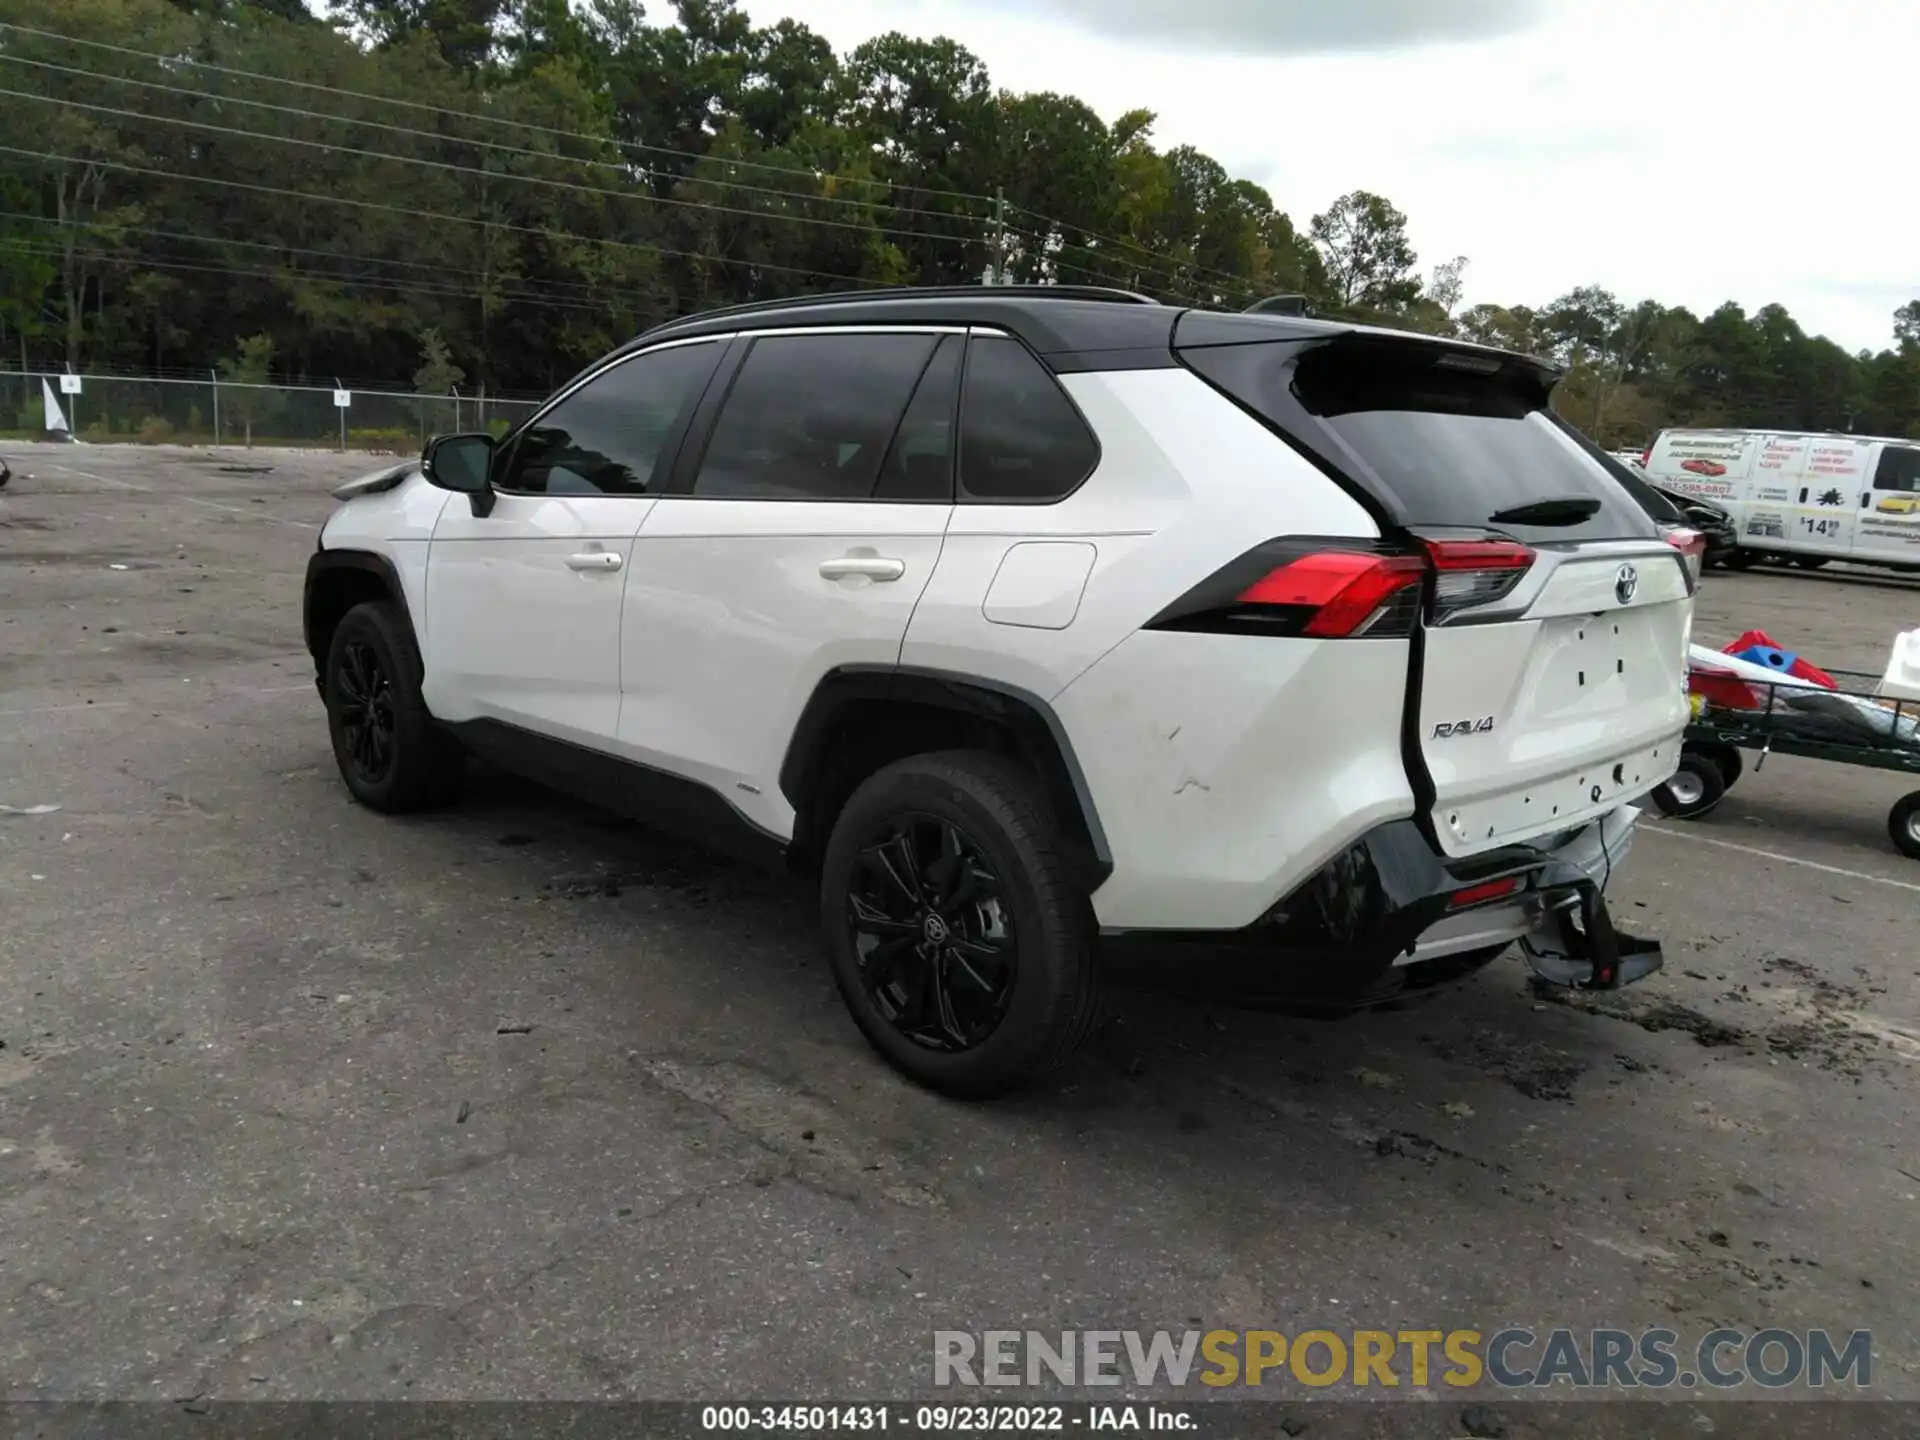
594 560
874 567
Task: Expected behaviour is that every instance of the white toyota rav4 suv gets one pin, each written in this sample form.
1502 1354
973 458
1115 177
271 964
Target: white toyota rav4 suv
1042 627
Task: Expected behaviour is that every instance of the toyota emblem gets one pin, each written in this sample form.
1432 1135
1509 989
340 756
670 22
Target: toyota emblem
1625 584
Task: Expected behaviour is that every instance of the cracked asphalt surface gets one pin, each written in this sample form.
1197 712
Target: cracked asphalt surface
521 1101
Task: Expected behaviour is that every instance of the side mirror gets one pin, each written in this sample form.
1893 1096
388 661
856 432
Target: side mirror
461 463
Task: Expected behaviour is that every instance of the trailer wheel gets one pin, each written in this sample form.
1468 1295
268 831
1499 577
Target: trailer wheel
1809 562
1724 758
1903 824
1696 787
1741 559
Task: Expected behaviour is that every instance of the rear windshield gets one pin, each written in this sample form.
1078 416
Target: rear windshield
1433 444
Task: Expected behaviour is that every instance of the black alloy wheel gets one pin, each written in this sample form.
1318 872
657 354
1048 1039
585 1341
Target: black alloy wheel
366 709
933 932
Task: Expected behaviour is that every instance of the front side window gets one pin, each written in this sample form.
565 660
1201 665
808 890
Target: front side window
1899 469
609 437
1021 439
811 417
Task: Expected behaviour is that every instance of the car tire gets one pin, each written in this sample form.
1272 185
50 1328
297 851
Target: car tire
1696 787
1903 825
1740 560
1809 562
391 754
953 928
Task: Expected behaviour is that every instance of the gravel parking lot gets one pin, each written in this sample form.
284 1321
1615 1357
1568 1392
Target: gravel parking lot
522 1101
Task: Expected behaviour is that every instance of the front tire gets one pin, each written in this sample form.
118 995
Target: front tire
955 933
1738 559
391 755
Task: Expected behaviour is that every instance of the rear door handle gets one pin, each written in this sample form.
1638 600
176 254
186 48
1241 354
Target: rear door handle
594 560
874 567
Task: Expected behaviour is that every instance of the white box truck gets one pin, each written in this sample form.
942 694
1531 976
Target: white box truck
1801 497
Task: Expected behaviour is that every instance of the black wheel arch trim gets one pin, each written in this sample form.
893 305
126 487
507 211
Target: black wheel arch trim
995 701
325 562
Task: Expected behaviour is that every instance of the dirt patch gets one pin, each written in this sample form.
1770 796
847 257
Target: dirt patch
1652 1016
1537 1071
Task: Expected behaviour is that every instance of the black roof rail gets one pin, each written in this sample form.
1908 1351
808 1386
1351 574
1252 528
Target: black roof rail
925 292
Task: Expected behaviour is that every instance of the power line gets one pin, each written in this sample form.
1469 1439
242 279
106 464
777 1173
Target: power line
1238 282
1163 269
440 137
637 196
187 60
280 249
405 287
414 214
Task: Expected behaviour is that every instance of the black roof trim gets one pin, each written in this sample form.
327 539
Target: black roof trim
1050 319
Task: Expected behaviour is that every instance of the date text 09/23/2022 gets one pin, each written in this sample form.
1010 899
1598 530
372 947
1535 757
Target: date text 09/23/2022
946 1419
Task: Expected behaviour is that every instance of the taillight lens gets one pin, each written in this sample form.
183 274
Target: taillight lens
1692 546
1316 589
1472 573
1347 592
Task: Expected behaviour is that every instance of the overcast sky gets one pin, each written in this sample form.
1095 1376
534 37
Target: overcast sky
1692 151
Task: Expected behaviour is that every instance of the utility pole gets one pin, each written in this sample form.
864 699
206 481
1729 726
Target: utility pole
999 236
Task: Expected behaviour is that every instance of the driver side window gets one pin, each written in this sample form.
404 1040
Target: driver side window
609 437
1899 469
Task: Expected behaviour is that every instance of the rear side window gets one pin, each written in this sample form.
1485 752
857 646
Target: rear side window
1899 469
1021 439
1437 437
919 463
810 417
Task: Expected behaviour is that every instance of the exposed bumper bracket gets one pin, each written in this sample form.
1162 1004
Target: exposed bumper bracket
1577 944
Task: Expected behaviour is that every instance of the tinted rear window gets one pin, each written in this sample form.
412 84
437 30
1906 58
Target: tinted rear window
1432 444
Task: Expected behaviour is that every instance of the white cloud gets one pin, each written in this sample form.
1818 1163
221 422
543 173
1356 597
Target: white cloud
1291 27
1692 151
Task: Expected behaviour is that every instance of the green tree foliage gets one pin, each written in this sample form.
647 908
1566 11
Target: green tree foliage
1369 261
500 190
247 374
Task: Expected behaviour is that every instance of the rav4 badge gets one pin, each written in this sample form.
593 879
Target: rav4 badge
1454 729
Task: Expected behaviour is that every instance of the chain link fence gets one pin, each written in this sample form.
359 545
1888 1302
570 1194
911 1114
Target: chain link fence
119 409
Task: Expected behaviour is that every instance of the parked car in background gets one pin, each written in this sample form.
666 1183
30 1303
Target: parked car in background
1711 520
1035 624
1678 514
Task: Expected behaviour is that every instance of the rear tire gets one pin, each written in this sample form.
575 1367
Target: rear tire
391 755
1724 758
955 934
1696 787
1903 824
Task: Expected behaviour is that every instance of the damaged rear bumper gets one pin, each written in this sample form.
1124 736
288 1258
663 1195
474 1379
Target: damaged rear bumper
1391 915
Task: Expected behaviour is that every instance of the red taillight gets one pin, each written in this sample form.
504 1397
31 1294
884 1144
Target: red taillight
1480 894
1471 573
1646 457
1692 546
1345 589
